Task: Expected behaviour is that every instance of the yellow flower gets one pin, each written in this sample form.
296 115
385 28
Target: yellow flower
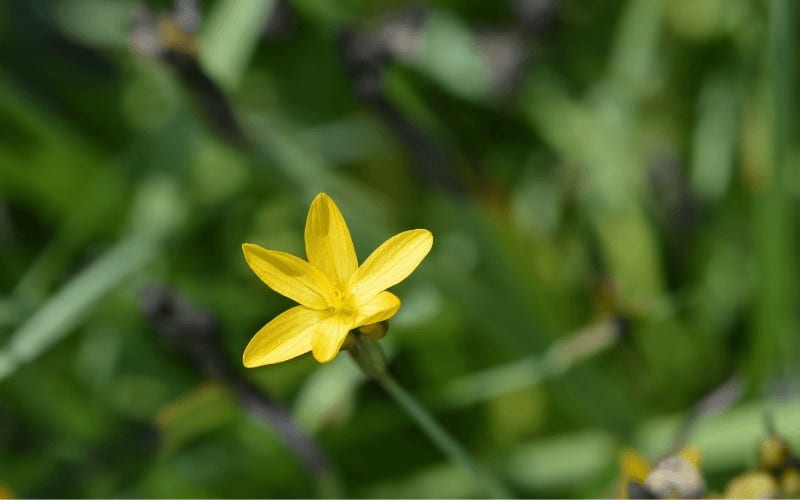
753 484
335 294
673 476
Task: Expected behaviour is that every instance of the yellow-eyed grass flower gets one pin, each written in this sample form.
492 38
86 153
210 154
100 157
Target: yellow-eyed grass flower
335 294
337 297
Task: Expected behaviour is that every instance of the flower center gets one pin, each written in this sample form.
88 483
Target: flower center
343 303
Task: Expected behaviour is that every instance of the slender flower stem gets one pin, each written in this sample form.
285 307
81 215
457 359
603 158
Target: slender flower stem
442 438
368 355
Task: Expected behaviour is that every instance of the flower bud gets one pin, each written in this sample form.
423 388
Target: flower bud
376 330
368 355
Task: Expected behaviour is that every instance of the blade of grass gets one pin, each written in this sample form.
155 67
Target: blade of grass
62 312
90 213
775 337
229 37
529 371
714 137
156 211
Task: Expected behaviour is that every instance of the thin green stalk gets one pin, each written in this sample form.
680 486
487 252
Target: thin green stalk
442 438
369 357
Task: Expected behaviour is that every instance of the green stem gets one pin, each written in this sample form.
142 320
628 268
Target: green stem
442 438
369 357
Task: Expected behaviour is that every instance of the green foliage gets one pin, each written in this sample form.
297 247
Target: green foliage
621 167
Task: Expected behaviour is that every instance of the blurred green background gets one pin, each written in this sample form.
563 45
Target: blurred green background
612 187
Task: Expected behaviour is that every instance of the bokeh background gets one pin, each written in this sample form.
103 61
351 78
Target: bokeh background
612 186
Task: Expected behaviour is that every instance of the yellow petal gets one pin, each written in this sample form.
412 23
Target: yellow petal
634 467
692 455
329 336
390 263
285 337
381 307
290 276
328 243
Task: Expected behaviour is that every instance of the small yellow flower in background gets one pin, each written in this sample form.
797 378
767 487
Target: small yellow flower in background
335 294
672 476
753 484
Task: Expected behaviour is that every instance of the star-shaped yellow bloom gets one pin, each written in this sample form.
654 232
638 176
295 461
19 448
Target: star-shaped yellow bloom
335 294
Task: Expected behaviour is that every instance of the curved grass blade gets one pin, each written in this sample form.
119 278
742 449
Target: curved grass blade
62 312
